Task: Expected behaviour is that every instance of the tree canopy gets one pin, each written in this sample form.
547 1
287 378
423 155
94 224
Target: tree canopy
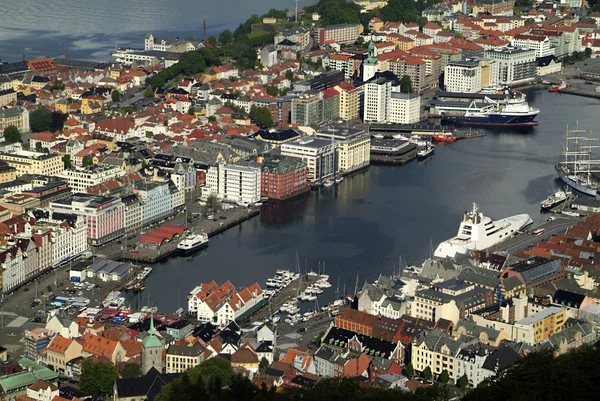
542 376
98 377
131 370
12 134
115 96
261 116
40 120
406 84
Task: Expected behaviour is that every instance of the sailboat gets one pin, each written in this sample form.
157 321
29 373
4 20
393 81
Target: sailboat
577 168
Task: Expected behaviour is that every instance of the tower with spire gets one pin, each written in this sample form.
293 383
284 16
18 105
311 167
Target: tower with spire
152 350
370 64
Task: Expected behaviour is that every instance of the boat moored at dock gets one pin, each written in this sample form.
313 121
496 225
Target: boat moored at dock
477 232
193 243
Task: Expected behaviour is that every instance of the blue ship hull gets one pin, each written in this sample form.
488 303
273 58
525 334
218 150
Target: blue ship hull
496 119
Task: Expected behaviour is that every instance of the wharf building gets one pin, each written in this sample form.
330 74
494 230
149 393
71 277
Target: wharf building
236 183
353 147
104 215
514 65
320 156
283 177
463 76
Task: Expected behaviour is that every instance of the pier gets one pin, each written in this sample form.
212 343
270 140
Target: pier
153 255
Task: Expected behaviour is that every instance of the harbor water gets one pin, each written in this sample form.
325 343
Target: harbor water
365 224
90 29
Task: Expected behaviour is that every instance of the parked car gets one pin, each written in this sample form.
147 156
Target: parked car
301 330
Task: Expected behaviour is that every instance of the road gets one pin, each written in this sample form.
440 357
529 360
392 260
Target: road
522 241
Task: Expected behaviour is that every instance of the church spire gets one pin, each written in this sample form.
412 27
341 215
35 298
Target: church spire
152 331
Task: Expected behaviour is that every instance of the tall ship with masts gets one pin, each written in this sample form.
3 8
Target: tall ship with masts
578 167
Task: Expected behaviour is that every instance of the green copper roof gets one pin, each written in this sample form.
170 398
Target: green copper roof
26 378
371 60
151 340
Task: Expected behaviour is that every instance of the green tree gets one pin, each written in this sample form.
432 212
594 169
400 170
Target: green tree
131 370
225 37
12 134
410 371
261 116
58 85
40 120
191 111
463 383
148 92
67 161
272 90
319 338
289 75
426 374
115 96
38 147
86 161
444 377
264 362
212 119
98 377
212 40
406 84
49 288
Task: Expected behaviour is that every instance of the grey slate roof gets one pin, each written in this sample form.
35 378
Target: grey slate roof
477 275
474 330
435 340
501 358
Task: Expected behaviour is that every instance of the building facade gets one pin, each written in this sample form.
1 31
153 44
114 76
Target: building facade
463 76
319 155
283 178
514 65
353 147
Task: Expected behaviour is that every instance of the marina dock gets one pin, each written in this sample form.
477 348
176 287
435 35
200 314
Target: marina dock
153 255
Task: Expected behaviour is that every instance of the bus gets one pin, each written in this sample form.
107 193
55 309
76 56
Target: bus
538 232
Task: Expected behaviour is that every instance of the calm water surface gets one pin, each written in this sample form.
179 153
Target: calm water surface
370 219
90 29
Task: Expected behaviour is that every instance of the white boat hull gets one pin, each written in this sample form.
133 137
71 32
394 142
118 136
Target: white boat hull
482 235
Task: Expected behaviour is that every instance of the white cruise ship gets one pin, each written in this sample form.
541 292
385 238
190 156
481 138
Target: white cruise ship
193 243
478 232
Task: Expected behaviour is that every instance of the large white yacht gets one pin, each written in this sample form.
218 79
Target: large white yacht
477 232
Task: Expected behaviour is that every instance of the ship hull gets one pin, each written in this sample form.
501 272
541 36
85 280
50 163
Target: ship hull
574 184
189 251
548 208
493 120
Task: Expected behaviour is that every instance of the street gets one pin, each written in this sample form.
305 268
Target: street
522 241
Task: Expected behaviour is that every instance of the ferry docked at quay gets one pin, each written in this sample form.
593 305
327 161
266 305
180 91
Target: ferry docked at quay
193 243
514 111
478 232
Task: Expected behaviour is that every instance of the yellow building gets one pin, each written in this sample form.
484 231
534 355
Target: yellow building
375 24
91 105
62 105
7 172
353 146
349 96
539 326
27 162
60 351
246 358
436 350
402 42
368 5
181 358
